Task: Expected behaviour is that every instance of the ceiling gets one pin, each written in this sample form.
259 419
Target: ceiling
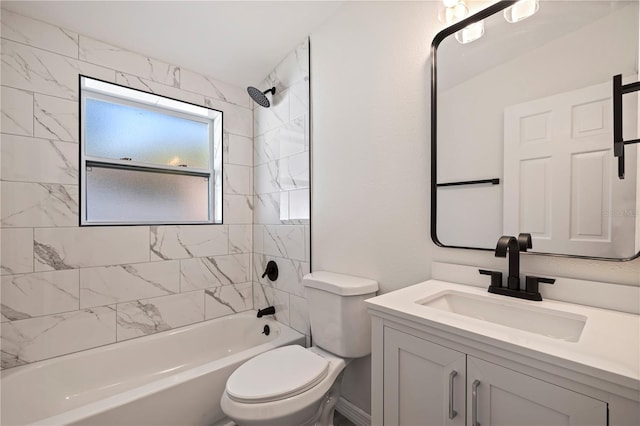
238 42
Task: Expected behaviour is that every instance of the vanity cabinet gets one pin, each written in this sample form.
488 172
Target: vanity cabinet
425 383
449 354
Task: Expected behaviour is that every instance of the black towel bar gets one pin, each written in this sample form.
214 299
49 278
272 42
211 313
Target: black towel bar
494 181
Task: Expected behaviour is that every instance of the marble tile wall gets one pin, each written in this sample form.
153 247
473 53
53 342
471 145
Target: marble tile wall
281 190
65 288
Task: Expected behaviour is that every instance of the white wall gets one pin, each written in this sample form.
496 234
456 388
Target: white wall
370 152
370 158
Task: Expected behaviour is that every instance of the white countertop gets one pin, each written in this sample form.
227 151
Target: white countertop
608 348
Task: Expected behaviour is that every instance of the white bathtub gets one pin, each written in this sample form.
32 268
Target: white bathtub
172 378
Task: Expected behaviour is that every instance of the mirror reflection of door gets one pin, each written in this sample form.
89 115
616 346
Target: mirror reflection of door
559 172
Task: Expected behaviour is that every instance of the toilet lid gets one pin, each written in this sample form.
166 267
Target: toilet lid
277 374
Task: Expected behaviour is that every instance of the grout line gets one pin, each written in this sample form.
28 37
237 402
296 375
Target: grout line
116 321
79 290
204 305
33 253
180 276
38 182
37 47
33 113
36 137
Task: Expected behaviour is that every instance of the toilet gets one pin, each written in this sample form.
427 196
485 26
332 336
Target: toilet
295 386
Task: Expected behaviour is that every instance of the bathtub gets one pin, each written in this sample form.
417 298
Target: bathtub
171 378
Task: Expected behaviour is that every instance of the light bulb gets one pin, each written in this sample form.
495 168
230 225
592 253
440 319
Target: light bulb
452 11
470 33
521 10
455 13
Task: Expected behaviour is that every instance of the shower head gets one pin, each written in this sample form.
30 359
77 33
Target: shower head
259 96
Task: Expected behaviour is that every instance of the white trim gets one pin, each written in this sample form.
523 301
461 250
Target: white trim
358 416
138 97
116 98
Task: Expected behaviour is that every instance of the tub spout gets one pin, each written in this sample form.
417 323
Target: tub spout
266 311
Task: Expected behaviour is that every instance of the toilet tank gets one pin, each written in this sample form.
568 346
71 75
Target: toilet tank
339 320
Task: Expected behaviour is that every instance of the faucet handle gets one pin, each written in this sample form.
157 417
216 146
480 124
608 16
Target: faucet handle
524 241
532 286
271 271
496 277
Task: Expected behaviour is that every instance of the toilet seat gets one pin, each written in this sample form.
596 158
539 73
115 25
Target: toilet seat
277 374
296 409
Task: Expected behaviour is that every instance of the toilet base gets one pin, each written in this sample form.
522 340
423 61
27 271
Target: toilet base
328 405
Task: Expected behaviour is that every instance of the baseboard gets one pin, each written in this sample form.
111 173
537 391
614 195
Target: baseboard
358 416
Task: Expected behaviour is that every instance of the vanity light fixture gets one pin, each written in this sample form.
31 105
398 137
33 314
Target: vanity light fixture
521 10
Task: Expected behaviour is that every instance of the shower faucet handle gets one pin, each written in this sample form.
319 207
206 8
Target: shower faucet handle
271 271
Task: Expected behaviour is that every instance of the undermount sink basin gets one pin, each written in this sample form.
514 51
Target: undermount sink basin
510 313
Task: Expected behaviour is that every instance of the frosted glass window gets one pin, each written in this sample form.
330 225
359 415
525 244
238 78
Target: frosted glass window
146 159
120 131
123 196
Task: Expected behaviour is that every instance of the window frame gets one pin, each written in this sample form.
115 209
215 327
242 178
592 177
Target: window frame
214 173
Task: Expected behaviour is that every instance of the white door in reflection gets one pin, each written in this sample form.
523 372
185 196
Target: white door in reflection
560 175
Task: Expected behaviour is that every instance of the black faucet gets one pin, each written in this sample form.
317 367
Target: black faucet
514 246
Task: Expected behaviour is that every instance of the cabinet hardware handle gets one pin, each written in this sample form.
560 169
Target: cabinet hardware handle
452 412
474 403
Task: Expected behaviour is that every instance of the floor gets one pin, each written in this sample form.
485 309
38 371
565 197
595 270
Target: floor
340 420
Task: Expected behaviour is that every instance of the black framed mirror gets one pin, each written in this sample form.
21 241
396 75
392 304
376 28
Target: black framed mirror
522 134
